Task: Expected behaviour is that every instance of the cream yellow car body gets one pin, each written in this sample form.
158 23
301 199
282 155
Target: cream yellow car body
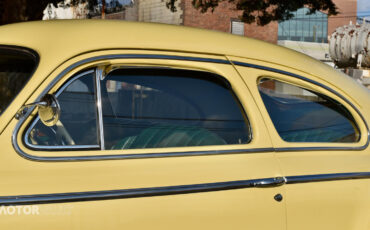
327 185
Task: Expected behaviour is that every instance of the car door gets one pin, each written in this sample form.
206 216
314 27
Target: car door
154 140
321 140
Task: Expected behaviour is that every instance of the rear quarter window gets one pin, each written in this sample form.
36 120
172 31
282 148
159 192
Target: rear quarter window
16 68
301 115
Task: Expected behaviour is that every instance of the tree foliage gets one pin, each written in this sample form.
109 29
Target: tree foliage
22 10
264 11
28 10
260 11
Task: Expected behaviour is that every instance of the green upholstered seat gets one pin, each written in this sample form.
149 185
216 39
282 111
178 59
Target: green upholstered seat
317 135
170 136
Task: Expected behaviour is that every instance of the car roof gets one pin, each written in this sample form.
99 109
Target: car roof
58 40
80 36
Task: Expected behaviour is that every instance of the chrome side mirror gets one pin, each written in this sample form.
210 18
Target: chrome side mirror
48 110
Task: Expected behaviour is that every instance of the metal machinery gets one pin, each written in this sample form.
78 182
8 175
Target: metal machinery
349 47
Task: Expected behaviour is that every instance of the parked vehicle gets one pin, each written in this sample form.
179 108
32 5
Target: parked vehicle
120 125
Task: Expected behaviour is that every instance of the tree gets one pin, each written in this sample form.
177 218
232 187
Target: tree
264 11
28 10
22 10
260 11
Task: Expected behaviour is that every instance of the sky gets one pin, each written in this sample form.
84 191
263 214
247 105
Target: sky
363 8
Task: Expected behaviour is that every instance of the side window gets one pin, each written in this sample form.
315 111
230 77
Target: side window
144 108
301 115
16 67
155 108
77 126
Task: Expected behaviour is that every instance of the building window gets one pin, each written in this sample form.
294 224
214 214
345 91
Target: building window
237 28
304 27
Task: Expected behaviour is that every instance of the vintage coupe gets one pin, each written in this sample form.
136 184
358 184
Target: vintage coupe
118 125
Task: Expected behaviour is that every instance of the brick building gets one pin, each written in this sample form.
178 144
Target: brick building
223 19
305 28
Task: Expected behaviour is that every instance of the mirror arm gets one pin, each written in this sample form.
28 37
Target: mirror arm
38 103
48 110
23 110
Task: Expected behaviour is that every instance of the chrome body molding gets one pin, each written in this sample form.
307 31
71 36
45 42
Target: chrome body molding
175 154
327 177
141 156
124 193
174 190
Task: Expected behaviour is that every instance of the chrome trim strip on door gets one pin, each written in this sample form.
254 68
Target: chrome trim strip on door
126 193
170 154
174 190
326 177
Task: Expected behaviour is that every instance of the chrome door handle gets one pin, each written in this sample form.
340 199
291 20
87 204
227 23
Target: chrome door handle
270 182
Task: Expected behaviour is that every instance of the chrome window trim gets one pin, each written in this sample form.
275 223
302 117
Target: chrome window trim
140 156
57 147
98 77
176 154
175 190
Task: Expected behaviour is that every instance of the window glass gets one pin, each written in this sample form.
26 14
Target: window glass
300 115
237 28
299 15
304 27
293 29
283 31
78 119
16 67
280 30
306 30
325 28
312 28
154 108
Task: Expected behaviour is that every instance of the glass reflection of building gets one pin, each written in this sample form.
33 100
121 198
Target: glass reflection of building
305 27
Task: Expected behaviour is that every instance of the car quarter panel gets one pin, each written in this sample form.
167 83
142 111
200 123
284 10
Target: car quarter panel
328 184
